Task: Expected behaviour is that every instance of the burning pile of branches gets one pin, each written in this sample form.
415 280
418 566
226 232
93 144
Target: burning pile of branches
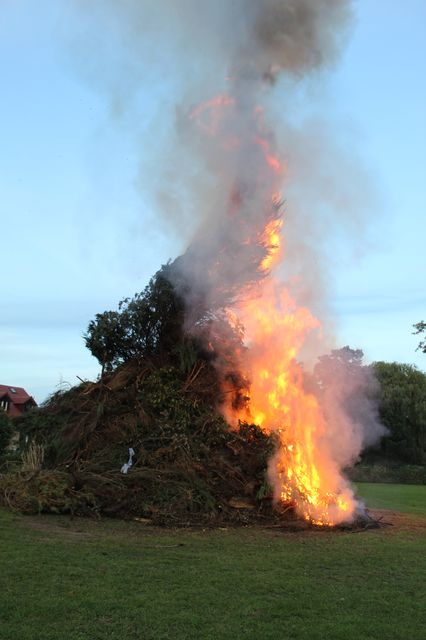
187 465
149 440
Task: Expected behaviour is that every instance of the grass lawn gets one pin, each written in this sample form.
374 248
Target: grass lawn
408 498
81 579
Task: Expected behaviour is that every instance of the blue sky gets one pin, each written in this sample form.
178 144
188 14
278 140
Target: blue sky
79 236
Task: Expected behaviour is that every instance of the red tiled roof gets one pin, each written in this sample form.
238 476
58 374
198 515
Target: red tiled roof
18 395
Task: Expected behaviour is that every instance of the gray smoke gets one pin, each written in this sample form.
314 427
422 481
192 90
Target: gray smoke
295 35
177 53
267 39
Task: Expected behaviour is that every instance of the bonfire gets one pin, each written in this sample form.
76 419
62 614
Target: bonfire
234 431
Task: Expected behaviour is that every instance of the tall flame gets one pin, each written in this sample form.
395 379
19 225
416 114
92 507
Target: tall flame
303 471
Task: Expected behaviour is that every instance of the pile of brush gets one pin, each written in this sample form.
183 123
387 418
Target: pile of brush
148 440
187 465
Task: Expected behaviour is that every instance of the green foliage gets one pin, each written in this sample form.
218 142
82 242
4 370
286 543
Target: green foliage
36 426
6 431
150 323
44 491
403 411
105 338
177 419
187 353
420 328
45 425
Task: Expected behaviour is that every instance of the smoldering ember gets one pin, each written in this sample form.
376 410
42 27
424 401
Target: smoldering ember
206 410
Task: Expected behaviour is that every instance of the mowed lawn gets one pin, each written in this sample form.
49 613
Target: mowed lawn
407 498
82 579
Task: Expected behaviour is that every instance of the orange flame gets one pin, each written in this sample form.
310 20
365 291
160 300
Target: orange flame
303 471
271 240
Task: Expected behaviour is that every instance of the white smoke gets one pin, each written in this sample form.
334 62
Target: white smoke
349 393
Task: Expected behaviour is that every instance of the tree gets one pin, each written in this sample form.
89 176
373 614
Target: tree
105 338
5 431
150 323
403 410
420 327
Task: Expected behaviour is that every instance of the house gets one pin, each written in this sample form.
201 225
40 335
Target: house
15 400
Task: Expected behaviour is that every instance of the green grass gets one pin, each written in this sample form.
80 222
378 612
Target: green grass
86 580
407 498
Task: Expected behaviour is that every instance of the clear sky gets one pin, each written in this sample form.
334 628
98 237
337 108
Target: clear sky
78 236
